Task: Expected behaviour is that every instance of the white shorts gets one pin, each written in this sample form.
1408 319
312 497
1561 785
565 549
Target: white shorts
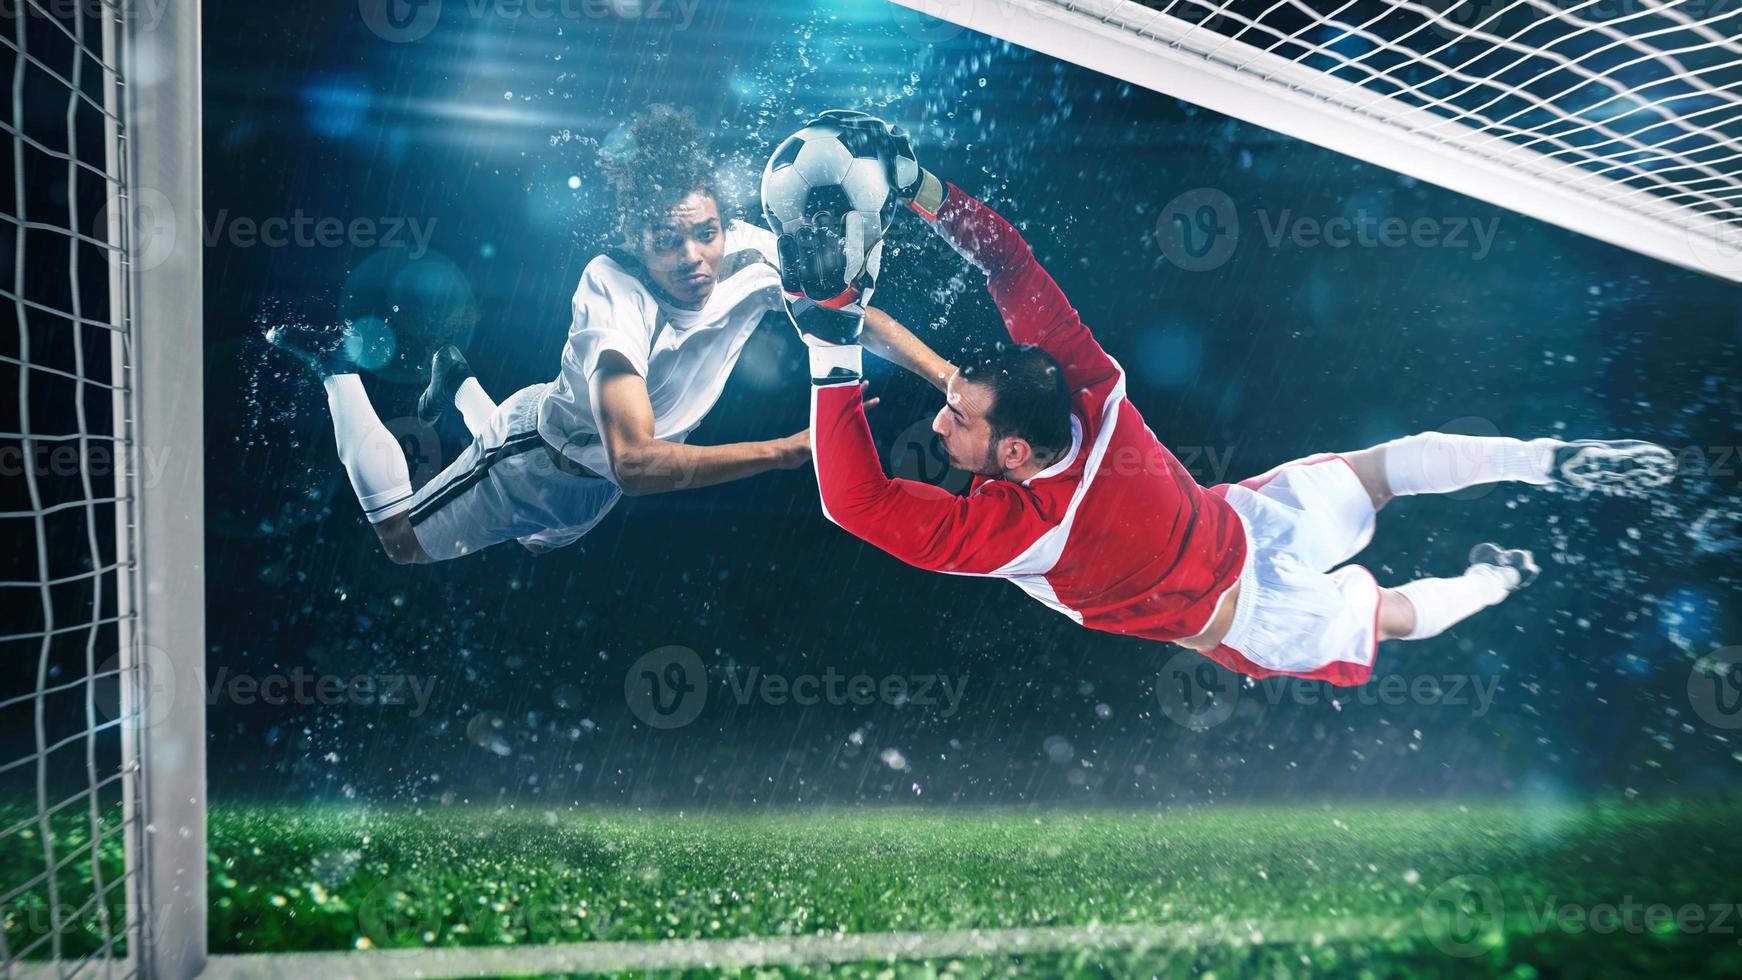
508 485
1295 615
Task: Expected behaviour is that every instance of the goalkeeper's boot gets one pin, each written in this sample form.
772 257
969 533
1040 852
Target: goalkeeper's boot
1617 467
1517 559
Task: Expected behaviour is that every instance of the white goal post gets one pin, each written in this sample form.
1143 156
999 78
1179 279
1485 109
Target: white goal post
162 162
103 801
1621 124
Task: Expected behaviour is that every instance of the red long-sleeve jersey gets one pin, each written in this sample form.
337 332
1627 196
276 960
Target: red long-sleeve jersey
1116 535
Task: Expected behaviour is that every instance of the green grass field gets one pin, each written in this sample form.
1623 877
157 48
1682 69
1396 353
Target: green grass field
1391 890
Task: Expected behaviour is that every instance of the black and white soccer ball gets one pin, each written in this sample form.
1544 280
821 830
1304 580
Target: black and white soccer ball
840 172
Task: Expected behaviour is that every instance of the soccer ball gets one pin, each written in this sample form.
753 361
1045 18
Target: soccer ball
836 174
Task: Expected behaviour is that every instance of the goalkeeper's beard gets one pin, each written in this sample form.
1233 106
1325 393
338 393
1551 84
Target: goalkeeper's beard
987 465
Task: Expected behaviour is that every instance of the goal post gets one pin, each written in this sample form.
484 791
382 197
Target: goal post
102 712
1432 90
160 278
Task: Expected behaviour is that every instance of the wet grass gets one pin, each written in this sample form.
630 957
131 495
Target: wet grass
1396 889
1391 890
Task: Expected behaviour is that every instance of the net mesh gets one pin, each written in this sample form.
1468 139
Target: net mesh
1635 102
68 770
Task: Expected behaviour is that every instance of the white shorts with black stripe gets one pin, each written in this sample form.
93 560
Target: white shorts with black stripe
508 485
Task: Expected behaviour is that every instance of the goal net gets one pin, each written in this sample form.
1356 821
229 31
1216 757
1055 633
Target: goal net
1619 119
102 847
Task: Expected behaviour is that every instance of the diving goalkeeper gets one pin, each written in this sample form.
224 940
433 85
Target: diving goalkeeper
1076 501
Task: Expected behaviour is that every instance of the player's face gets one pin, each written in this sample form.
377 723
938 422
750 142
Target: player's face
683 250
963 428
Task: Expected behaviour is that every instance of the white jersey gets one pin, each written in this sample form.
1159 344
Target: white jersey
684 355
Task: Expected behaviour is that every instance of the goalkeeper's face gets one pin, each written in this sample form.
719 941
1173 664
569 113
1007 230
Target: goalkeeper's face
683 248
964 429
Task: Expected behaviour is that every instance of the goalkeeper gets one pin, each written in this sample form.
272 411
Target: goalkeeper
1076 501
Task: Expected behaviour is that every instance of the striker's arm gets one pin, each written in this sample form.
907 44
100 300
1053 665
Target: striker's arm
888 339
642 464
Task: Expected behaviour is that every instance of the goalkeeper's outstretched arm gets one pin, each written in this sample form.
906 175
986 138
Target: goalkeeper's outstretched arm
888 339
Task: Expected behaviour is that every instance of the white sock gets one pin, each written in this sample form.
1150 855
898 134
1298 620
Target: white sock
1441 603
371 455
1436 462
474 405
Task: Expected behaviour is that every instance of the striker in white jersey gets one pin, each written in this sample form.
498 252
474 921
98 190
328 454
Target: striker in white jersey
518 480
684 356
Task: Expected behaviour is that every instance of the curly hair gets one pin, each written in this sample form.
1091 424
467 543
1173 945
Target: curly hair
663 159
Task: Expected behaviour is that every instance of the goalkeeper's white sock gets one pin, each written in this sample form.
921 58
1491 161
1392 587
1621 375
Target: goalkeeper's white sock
1436 462
1441 603
371 454
474 404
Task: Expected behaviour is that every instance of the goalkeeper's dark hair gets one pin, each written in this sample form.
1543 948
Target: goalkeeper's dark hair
663 159
1029 396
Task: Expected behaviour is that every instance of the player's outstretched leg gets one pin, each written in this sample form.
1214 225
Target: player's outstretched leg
451 382
1428 607
1439 462
370 453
